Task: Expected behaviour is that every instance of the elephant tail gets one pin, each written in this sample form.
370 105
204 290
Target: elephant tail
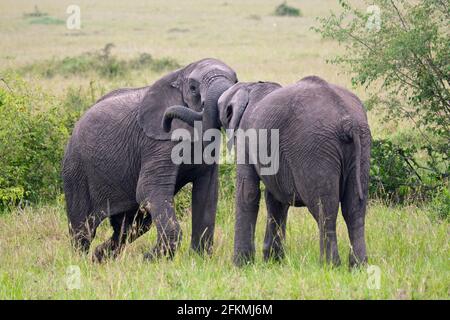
357 144
349 132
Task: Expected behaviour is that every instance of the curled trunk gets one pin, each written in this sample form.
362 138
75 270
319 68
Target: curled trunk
182 113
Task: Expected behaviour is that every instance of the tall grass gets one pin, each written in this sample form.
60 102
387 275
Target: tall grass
410 251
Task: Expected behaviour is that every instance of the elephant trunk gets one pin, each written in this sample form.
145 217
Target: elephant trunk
182 113
210 114
210 111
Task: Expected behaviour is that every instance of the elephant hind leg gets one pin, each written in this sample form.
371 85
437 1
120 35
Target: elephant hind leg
127 227
275 228
83 233
82 222
354 211
325 209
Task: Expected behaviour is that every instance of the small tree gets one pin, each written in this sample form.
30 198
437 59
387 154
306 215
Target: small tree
400 50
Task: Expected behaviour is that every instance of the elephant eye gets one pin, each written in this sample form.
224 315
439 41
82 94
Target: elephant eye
193 89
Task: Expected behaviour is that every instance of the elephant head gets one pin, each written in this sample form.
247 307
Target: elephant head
200 85
233 102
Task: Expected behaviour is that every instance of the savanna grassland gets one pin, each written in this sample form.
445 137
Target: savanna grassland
408 244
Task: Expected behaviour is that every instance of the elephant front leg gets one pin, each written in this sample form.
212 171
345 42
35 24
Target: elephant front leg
275 229
169 231
204 206
247 205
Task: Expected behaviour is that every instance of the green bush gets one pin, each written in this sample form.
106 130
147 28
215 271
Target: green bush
285 10
399 51
396 176
101 62
46 20
440 203
39 17
391 175
33 134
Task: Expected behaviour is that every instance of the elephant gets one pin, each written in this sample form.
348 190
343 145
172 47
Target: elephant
117 163
324 159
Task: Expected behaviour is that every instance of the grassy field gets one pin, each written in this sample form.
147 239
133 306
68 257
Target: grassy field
408 245
410 250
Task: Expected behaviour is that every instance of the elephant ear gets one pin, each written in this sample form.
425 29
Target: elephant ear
233 113
235 108
163 94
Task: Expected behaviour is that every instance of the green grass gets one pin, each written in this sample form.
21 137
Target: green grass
45 20
410 249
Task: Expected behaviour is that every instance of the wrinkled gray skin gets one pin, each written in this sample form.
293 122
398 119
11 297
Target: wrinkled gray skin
324 160
118 164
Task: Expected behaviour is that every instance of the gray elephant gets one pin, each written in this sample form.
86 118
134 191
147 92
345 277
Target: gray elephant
118 163
324 153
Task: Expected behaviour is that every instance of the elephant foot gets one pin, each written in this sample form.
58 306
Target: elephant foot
202 249
273 254
334 260
243 258
160 251
151 256
81 244
104 252
355 262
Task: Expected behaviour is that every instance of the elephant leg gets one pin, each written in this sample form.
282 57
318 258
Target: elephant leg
354 211
82 224
155 191
204 205
276 228
169 230
325 210
83 231
127 226
247 205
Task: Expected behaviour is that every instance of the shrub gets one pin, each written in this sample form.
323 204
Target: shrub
77 100
101 62
440 203
46 20
33 133
399 50
285 10
39 17
392 175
